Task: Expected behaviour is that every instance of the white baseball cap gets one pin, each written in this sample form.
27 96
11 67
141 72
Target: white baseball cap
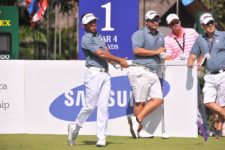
205 18
171 17
151 14
88 17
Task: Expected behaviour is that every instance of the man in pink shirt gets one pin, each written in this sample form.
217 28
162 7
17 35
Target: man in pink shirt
179 42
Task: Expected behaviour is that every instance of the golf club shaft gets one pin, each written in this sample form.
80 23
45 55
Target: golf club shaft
117 66
163 76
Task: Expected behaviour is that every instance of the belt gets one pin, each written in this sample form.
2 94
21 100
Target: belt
216 72
98 69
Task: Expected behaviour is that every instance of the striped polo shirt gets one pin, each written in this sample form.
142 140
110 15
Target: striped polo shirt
174 45
216 50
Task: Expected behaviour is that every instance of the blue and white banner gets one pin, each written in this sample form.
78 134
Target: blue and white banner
118 19
45 96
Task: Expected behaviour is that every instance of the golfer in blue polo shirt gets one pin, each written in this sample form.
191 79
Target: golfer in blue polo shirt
96 80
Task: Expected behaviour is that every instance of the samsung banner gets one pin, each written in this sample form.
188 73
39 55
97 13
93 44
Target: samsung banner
118 19
43 97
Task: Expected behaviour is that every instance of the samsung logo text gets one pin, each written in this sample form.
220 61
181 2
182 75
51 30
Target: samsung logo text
67 105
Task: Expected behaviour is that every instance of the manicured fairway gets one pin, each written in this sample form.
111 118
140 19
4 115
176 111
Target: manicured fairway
59 142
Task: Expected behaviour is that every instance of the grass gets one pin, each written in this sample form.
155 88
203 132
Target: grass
59 142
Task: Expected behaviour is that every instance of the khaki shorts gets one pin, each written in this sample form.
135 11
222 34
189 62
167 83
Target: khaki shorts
144 83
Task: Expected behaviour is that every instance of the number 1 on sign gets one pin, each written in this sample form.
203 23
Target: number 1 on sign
107 27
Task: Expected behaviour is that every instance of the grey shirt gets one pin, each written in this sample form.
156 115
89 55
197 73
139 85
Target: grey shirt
145 39
90 43
215 48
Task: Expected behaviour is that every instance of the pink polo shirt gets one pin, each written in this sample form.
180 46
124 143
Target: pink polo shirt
180 47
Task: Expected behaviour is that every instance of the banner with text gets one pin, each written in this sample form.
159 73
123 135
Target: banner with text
43 97
117 22
12 97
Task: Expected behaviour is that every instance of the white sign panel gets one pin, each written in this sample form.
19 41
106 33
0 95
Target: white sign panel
54 95
11 96
181 101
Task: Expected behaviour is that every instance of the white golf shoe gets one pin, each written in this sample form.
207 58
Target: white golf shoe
144 134
72 133
165 136
134 125
101 143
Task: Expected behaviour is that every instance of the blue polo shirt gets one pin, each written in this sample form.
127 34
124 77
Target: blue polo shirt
145 39
90 43
216 50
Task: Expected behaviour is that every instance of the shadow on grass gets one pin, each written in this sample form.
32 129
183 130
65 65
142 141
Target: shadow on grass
202 143
89 142
94 143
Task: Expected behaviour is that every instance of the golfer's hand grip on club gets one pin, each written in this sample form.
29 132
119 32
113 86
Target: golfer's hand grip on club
123 63
162 55
118 66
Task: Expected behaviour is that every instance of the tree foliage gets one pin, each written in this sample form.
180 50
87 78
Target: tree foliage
65 5
39 42
217 7
7 2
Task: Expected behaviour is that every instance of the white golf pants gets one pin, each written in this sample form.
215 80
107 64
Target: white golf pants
97 90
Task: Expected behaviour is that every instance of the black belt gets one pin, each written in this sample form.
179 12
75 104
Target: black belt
216 72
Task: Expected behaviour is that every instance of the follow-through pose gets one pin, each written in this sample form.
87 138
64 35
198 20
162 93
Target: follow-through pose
96 80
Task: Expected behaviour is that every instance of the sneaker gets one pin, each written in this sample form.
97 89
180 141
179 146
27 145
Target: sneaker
165 136
133 126
218 134
72 133
101 143
144 134
209 133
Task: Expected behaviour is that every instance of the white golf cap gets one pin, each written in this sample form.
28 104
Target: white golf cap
88 18
151 14
205 18
171 17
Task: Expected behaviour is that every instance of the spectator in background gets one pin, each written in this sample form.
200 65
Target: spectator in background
179 41
212 46
178 44
147 45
